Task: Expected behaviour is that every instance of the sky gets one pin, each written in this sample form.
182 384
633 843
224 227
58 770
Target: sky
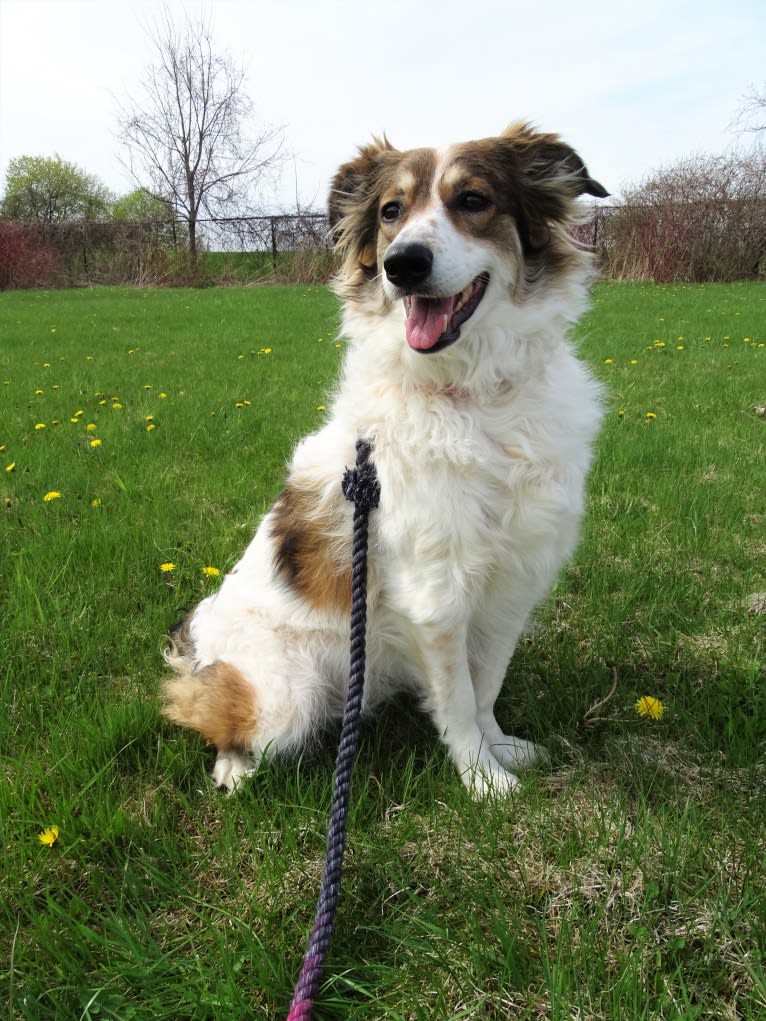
633 86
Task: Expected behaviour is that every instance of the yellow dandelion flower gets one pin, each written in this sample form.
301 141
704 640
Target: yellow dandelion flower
211 572
94 442
609 361
150 427
96 501
52 495
650 707
634 361
167 567
116 406
49 836
40 425
650 416
321 407
90 427
11 467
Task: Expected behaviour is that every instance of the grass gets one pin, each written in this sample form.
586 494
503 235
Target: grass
627 882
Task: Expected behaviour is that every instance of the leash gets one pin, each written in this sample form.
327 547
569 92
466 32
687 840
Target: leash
362 488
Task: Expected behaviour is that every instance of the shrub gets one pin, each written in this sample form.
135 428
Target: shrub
703 219
26 259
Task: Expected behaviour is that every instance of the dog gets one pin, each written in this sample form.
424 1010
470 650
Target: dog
459 281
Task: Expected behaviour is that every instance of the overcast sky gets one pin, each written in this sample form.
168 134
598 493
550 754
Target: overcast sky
631 85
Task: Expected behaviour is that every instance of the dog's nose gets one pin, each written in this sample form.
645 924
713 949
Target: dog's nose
408 265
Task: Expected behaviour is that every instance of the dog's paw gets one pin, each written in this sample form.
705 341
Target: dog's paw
489 779
230 770
515 753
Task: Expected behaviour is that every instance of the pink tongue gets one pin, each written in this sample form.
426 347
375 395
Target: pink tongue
425 322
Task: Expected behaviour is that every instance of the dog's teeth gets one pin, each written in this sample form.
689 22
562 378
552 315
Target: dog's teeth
446 324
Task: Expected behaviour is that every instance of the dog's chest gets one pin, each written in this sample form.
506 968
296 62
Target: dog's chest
454 478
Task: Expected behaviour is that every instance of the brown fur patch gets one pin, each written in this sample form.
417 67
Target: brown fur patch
217 701
312 541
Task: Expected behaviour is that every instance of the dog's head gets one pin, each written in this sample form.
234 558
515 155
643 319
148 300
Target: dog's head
439 230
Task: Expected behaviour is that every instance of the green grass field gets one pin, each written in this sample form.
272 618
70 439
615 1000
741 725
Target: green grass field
627 881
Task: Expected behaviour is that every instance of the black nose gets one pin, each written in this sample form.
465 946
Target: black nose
408 265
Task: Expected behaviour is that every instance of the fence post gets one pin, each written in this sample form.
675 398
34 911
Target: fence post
273 220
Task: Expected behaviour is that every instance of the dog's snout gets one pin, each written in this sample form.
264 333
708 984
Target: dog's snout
408 265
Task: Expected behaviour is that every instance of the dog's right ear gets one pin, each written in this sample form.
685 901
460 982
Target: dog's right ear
353 202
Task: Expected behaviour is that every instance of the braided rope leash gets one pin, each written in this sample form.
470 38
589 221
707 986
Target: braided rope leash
362 488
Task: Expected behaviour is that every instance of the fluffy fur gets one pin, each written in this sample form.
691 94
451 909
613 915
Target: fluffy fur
459 282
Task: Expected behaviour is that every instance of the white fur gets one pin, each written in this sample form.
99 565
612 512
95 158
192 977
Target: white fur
482 450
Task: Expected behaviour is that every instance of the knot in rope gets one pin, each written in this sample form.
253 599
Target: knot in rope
360 484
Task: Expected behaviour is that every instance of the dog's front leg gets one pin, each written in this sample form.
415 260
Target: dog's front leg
491 652
454 710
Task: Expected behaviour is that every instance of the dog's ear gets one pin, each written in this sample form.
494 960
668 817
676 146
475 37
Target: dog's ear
354 179
353 201
546 176
550 166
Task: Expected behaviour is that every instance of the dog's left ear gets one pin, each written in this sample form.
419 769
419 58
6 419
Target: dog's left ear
551 166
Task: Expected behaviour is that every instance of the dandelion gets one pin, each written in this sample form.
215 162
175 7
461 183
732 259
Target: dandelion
150 427
40 425
634 361
90 427
49 836
265 351
211 572
52 495
609 361
94 442
116 406
162 395
321 407
96 501
650 707
11 467
167 567
650 416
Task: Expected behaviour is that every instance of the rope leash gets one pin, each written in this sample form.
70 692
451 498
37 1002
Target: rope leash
362 488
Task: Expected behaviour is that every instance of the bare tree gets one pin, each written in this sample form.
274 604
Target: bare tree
185 136
751 118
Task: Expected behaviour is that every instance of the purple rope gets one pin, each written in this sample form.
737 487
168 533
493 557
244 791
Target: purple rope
361 487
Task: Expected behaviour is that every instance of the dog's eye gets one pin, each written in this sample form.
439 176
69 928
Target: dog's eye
473 202
391 211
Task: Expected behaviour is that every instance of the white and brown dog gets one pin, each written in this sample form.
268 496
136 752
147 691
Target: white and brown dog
459 283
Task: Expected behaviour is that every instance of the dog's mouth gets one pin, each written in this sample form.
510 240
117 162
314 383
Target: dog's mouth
434 323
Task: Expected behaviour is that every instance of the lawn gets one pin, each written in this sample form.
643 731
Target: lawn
142 434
